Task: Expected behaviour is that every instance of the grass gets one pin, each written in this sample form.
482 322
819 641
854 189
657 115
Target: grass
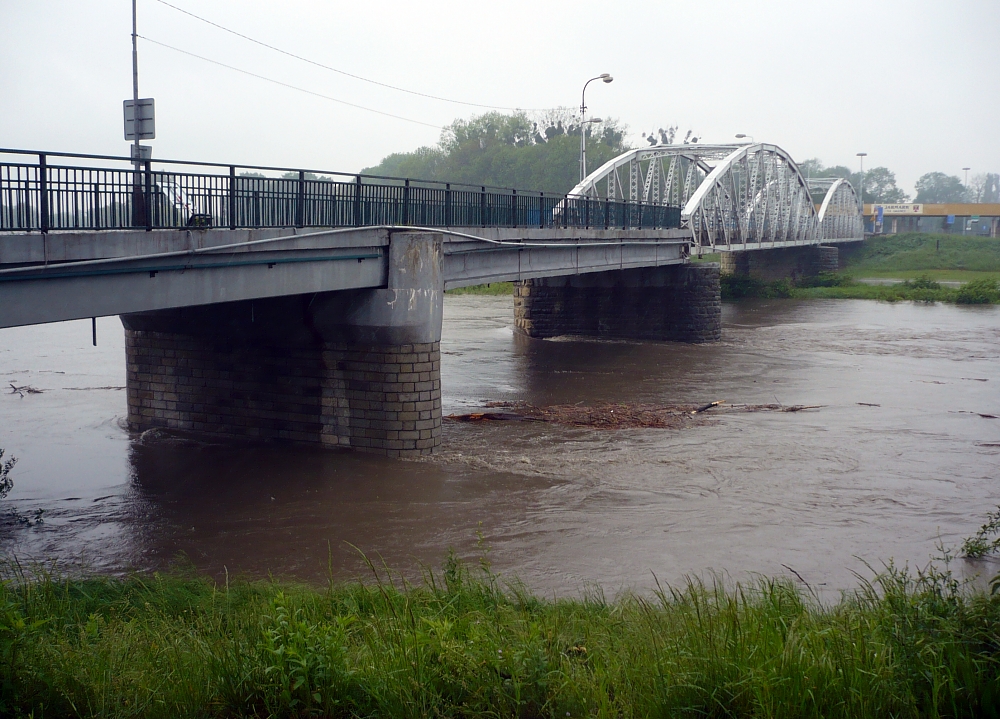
841 286
494 288
905 255
462 644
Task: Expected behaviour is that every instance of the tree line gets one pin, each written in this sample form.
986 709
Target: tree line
541 152
933 187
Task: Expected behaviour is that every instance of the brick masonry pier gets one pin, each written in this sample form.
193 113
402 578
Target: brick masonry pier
378 398
678 302
781 263
355 368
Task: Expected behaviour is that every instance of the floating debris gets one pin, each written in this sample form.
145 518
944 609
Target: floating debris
24 389
619 415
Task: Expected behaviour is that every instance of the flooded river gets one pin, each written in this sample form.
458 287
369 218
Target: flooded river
898 457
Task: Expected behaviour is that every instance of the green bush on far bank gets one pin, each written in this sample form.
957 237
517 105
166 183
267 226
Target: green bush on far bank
463 645
494 288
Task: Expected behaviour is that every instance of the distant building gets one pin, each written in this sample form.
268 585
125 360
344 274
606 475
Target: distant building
982 220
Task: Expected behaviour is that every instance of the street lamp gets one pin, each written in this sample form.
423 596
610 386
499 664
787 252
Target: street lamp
741 136
862 155
583 122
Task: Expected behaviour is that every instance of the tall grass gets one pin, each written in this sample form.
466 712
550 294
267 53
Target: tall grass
464 644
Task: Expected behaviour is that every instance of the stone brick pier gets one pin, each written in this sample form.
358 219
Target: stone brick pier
359 369
781 263
677 302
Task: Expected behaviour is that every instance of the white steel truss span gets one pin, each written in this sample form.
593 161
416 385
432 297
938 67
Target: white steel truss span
840 213
733 197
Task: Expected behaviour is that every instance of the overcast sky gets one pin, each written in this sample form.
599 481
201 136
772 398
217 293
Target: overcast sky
914 83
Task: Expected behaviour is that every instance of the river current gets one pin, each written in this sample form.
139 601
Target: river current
902 455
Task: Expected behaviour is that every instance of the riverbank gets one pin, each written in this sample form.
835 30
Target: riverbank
466 644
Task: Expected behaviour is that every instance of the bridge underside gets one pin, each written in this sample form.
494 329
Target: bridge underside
63 276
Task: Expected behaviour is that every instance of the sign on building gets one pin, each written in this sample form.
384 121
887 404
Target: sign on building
905 209
902 209
146 119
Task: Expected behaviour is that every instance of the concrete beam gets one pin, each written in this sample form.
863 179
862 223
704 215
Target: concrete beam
69 291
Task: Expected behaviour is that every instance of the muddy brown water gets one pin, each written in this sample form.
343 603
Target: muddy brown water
566 509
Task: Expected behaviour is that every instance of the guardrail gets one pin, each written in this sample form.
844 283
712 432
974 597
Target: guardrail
39 195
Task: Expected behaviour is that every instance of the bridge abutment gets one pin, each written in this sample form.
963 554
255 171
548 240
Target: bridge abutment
781 262
358 369
676 302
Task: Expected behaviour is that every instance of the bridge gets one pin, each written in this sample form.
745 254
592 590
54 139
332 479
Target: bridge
272 303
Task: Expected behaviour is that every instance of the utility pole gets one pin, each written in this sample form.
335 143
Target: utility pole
138 200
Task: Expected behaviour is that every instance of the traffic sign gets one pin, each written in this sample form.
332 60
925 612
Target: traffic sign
147 119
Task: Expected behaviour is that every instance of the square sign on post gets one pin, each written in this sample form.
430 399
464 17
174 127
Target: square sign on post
147 122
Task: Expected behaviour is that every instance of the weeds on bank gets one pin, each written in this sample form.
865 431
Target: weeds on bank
835 285
464 643
494 288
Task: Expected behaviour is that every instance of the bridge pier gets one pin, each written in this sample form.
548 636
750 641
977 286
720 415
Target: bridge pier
781 263
357 368
676 302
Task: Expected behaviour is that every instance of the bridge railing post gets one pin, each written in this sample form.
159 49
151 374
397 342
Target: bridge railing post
541 210
148 199
357 201
43 195
513 207
447 204
406 203
95 217
300 200
565 211
482 206
232 197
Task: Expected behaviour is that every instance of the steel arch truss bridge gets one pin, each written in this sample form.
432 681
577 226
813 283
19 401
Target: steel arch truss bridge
734 197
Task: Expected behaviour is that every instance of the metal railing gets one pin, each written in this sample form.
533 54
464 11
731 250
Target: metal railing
38 195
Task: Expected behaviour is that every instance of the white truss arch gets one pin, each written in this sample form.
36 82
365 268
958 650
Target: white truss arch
840 214
755 197
733 197
664 174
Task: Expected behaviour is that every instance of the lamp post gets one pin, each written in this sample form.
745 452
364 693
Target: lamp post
741 136
861 189
583 122
966 169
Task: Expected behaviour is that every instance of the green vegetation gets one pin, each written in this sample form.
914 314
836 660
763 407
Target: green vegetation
922 261
840 286
462 645
986 540
509 151
494 288
6 483
914 252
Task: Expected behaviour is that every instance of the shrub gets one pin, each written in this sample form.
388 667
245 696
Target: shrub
979 292
922 282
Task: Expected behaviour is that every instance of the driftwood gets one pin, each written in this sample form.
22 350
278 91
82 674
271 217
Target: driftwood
618 415
24 388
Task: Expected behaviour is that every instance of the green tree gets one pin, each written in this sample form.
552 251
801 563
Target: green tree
880 186
509 150
939 187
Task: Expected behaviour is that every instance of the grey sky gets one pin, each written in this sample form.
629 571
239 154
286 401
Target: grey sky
915 84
